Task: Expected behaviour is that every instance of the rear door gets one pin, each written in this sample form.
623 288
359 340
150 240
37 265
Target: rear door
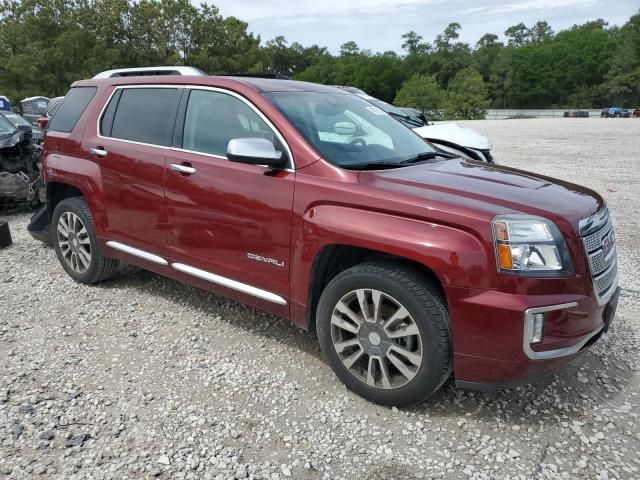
134 133
229 223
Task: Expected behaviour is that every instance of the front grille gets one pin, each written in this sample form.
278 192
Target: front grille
598 262
605 281
604 268
593 241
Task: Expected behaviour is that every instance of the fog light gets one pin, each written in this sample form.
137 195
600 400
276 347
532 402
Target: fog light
537 328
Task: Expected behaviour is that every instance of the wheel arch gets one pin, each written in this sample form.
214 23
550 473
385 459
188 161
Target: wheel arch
333 259
83 181
58 191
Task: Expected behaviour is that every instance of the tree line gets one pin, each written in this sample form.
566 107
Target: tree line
45 45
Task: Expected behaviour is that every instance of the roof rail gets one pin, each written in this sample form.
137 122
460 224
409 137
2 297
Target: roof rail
277 76
141 71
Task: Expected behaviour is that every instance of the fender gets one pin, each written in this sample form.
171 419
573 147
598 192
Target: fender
84 175
458 258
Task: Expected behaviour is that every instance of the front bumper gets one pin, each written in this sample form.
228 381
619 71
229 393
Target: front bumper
492 331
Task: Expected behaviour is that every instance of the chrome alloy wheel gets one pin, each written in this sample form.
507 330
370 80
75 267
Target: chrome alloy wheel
376 338
74 242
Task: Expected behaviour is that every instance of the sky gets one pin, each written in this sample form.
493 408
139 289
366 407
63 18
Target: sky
377 25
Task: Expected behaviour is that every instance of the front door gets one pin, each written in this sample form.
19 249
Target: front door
229 223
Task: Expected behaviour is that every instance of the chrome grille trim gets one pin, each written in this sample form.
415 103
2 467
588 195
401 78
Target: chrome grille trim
593 241
594 222
604 270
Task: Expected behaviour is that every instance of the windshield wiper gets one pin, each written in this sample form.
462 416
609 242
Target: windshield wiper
406 119
372 166
425 156
403 163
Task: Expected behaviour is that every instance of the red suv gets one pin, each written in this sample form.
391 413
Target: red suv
313 204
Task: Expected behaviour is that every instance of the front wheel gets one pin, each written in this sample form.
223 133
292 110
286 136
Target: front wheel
385 330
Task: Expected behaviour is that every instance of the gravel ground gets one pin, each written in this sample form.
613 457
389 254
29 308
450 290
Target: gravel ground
142 377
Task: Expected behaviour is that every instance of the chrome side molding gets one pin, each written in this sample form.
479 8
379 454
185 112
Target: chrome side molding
203 274
229 283
136 252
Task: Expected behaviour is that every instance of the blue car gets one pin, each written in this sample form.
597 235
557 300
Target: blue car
617 112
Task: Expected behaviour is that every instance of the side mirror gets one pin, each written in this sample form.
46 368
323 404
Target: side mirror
255 151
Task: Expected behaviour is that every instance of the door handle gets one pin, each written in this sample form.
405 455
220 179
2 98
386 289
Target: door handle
183 169
98 152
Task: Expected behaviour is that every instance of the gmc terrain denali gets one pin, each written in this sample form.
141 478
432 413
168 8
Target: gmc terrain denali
313 204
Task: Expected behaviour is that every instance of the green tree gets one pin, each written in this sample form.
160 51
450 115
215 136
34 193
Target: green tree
349 49
45 45
379 75
485 60
444 40
413 44
540 31
518 35
421 92
449 56
467 96
622 80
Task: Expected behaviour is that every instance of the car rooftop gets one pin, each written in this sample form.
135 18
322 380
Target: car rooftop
258 83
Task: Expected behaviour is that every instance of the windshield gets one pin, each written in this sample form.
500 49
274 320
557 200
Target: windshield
410 121
6 126
347 130
53 106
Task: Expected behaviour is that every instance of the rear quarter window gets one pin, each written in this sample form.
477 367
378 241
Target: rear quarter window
72 108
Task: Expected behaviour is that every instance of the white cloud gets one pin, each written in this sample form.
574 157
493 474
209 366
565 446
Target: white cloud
253 9
543 5
378 24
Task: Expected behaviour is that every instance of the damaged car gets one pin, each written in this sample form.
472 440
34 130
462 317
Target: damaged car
19 172
18 120
450 137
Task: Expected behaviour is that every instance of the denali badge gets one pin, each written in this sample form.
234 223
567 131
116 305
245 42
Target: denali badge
259 258
608 242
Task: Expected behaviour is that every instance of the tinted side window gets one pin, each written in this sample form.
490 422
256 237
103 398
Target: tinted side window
106 122
214 118
145 115
72 107
52 109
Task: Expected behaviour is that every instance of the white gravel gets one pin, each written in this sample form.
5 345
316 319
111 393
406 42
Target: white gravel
142 377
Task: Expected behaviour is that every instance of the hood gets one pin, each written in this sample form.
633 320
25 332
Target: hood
453 133
472 188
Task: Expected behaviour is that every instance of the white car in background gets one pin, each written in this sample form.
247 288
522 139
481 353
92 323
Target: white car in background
448 136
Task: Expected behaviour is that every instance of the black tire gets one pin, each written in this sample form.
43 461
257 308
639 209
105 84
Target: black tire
99 267
427 308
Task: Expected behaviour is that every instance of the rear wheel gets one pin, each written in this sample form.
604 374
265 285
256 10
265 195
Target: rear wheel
385 331
76 245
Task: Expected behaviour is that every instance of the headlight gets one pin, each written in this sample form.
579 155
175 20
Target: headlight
529 245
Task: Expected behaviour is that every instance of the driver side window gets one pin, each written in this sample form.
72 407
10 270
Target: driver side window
214 118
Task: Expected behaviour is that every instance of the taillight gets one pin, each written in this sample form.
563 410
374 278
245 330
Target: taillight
42 122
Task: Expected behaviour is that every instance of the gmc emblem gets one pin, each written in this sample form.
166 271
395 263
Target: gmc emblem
608 243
